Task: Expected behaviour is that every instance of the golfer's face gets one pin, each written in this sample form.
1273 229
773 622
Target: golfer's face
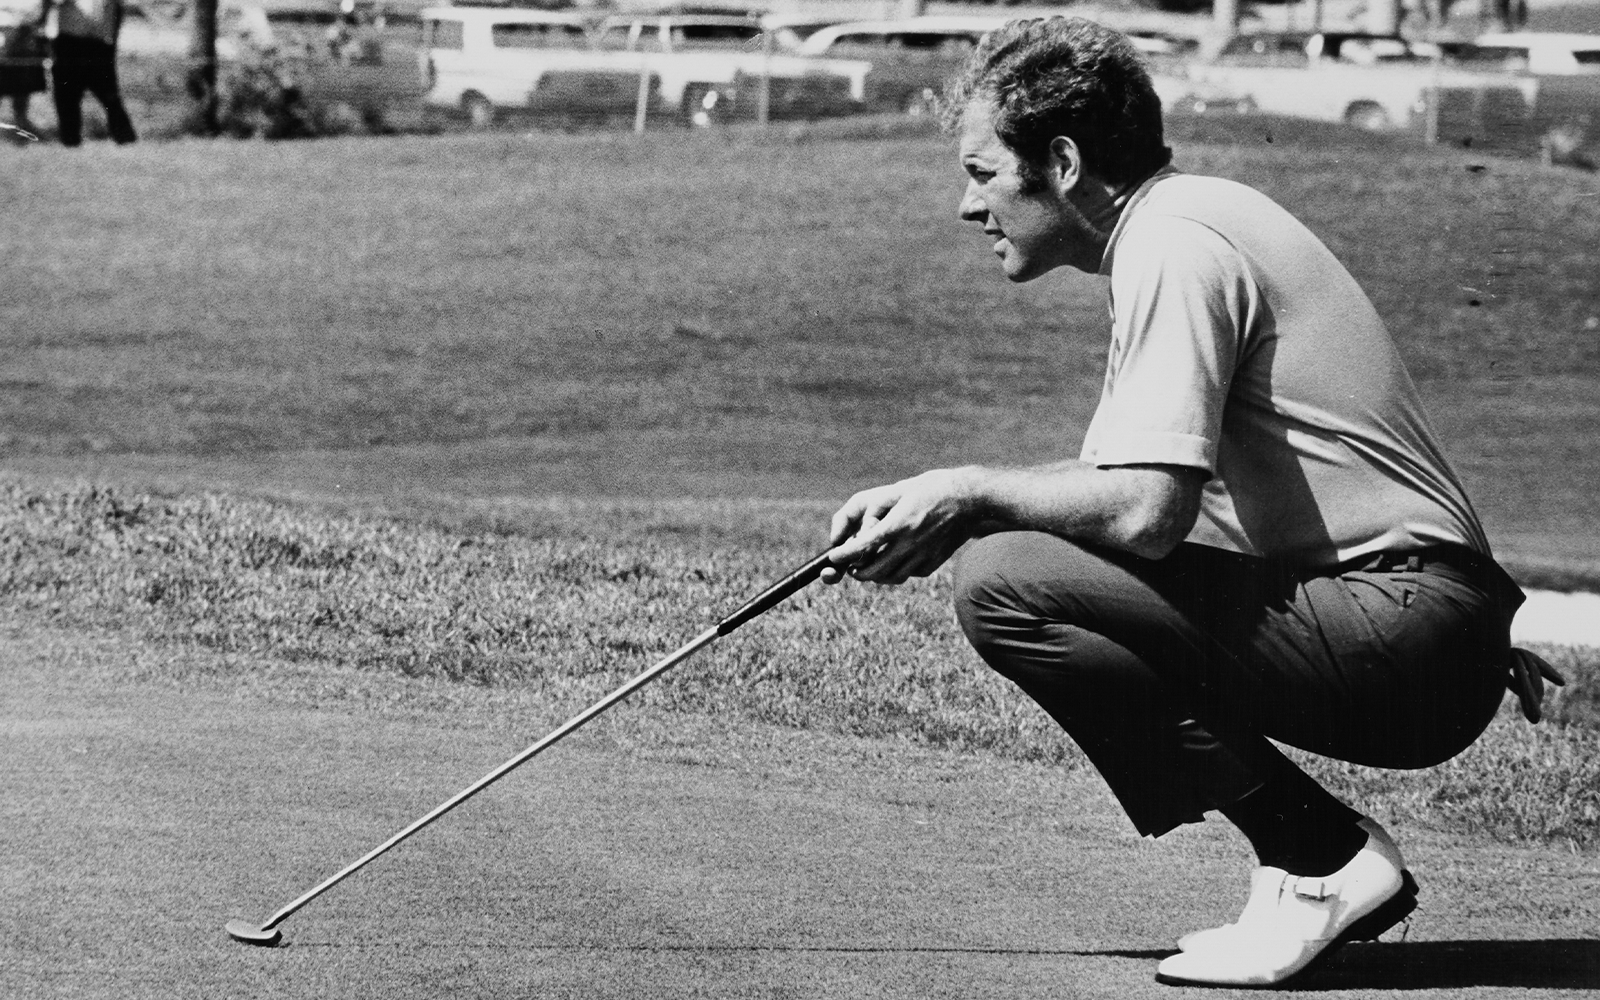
1031 231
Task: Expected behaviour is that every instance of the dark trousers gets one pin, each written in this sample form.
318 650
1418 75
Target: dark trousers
1172 674
85 64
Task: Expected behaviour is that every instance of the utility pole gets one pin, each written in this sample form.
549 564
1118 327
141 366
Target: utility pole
1225 18
202 79
1383 17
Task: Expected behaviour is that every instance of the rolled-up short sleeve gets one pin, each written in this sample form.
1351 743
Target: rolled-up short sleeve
1182 299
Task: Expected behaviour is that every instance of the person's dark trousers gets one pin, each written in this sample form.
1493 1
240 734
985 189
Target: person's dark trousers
80 65
1172 674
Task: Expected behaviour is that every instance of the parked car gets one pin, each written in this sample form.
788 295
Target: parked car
928 33
911 57
1553 53
475 58
1305 48
704 58
1156 44
1369 81
673 32
789 31
487 60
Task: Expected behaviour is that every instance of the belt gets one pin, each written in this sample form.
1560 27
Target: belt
1456 557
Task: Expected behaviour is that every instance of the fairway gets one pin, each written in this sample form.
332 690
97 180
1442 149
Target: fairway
708 315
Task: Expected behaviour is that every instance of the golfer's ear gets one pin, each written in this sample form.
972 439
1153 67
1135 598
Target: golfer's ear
1066 163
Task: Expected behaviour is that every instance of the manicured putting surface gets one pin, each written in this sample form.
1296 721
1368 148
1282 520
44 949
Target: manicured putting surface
653 856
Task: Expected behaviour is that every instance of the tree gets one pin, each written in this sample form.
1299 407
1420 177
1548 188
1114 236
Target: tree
1510 14
202 76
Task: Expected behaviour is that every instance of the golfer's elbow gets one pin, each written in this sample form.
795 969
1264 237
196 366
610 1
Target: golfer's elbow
1153 539
1160 515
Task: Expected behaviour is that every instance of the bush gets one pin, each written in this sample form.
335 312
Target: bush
263 95
260 97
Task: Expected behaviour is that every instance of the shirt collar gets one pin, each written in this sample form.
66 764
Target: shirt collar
1128 206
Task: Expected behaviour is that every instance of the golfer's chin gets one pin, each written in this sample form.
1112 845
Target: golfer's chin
1018 268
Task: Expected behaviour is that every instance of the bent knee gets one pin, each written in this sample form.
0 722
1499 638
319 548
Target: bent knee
1010 580
981 578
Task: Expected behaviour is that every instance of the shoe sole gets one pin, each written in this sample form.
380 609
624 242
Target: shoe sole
1368 928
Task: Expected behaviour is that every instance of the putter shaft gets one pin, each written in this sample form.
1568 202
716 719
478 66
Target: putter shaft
757 605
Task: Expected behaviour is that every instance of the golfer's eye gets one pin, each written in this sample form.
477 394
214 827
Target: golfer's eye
978 174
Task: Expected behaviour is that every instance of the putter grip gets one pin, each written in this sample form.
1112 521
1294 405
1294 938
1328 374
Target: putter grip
775 594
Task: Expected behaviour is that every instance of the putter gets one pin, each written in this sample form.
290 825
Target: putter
268 935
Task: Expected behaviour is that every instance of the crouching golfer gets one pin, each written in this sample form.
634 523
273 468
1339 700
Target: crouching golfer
1261 538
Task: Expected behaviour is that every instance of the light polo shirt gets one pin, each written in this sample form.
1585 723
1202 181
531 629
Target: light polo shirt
1242 347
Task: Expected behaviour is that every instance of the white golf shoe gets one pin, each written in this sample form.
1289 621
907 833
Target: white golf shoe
1292 921
1264 884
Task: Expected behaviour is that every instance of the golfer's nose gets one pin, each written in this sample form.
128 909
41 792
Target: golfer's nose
972 208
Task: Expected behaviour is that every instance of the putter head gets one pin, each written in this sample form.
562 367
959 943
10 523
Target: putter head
245 932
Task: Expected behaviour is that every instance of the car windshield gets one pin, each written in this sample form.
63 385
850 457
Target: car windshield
1487 55
715 34
907 42
1273 48
302 18
1365 51
532 35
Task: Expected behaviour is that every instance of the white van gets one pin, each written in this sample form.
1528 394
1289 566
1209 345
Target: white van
482 60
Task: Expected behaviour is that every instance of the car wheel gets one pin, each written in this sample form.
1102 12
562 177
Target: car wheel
1367 116
702 104
921 103
479 111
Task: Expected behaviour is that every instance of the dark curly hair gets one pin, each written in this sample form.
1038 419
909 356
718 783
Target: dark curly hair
1070 77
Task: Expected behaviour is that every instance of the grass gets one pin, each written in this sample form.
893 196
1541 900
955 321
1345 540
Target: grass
802 315
564 614
543 403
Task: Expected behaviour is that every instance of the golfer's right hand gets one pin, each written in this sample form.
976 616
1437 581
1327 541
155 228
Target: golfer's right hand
891 533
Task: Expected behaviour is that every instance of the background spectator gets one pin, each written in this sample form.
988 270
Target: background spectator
84 58
22 54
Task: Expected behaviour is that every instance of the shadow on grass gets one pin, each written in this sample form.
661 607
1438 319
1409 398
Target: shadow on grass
1425 965
1021 951
1537 965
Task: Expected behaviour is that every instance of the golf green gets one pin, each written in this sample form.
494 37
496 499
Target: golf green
648 856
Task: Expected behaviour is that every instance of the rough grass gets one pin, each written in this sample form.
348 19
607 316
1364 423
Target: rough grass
555 610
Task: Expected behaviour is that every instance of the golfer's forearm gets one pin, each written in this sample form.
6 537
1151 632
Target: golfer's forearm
1143 510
